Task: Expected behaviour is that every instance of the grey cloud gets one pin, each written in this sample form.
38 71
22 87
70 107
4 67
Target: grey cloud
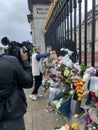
13 20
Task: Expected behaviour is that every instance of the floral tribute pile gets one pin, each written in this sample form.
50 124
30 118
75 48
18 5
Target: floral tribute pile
73 126
66 80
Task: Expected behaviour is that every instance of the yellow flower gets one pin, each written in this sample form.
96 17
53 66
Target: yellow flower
74 126
78 94
80 91
79 99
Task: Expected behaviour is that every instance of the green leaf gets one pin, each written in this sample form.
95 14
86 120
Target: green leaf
83 67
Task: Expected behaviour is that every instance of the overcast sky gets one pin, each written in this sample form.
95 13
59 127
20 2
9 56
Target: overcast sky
13 20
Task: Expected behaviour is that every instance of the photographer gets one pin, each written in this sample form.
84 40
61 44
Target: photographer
13 78
14 48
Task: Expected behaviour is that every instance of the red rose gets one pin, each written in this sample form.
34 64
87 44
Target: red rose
92 94
96 104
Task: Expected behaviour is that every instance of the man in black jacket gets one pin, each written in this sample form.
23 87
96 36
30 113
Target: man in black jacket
13 78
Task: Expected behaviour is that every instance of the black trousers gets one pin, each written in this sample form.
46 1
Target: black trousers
38 82
15 124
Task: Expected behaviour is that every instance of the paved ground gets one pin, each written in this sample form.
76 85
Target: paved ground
40 116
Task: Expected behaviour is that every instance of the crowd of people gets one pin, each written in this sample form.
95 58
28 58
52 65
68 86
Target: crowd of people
14 77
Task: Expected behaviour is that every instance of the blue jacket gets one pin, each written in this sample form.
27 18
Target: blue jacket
43 55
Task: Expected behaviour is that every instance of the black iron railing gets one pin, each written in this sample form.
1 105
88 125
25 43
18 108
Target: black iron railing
69 27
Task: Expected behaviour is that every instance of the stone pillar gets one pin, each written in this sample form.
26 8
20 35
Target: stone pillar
38 10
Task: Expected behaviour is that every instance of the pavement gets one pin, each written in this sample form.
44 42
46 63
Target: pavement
40 116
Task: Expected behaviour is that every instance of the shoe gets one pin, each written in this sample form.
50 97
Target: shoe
34 97
39 95
30 96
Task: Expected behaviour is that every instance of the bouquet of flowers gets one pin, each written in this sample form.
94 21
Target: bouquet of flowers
73 126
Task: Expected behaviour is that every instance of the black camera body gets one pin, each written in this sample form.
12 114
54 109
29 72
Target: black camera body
14 48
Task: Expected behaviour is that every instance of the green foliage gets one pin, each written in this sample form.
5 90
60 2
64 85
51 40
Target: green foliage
57 128
85 127
83 67
62 67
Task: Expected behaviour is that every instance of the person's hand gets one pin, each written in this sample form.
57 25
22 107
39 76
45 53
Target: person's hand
23 53
52 52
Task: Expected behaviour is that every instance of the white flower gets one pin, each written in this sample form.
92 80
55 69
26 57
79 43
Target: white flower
66 61
77 66
62 49
67 50
86 77
76 115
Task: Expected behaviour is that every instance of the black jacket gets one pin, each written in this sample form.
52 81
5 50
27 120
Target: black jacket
14 76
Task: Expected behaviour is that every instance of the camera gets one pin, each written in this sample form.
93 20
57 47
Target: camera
14 48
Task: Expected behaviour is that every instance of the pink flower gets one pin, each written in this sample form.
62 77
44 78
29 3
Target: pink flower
58 80
90 70
60 57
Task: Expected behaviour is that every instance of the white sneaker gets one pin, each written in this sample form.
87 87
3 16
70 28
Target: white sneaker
34 97
39 95
30 96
